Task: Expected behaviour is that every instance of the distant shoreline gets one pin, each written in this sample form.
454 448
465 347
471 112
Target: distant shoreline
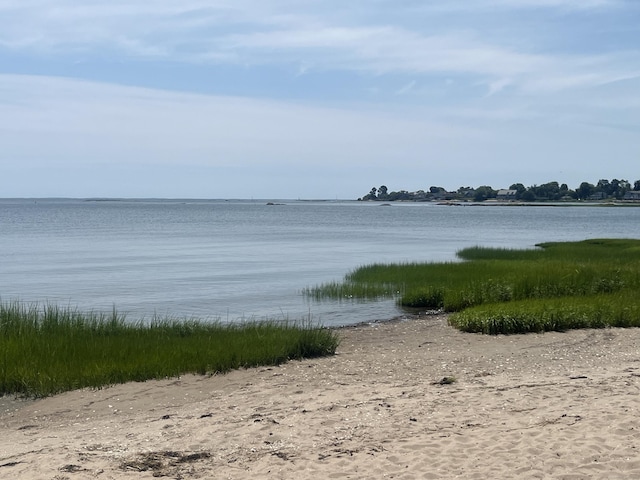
497 203
542 204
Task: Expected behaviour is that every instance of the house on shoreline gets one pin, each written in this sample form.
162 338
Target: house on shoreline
506 195
632 195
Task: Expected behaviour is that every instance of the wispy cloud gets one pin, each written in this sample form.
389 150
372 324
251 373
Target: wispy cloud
519 5
330 36
498 85
565 4
406 88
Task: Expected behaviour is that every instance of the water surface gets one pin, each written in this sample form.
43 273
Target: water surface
230 260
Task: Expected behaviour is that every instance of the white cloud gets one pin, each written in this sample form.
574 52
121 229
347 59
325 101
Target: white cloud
516 5
498 86
566 4
406 88
331 36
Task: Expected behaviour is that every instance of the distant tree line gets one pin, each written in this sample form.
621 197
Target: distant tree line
549 192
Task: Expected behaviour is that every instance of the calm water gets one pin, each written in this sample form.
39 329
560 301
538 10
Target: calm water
231 260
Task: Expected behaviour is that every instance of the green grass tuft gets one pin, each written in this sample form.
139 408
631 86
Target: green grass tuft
621 309
515 279
44 351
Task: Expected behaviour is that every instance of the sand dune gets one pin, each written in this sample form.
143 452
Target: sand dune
411 399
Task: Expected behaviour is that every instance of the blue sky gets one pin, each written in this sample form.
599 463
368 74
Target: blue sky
314 99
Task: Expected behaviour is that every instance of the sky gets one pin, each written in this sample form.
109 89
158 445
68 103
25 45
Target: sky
314 99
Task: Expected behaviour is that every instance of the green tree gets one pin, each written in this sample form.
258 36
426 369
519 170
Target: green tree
519 188
528 196
604 186
585 190
619 188
484 192
401 195
371 195
551 190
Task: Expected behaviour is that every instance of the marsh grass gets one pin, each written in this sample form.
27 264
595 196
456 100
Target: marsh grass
48 350
558 314
349 290
592 269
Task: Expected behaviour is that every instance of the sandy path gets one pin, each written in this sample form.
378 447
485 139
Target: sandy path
557 405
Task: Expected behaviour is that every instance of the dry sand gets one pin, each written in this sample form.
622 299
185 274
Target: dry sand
555 405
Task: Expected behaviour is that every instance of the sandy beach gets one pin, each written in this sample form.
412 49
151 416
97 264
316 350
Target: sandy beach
407 399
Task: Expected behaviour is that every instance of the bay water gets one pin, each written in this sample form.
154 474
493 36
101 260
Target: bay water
250 259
